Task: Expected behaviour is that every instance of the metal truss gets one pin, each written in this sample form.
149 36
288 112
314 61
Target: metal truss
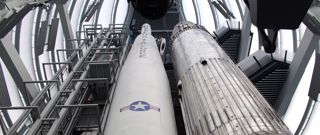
56 109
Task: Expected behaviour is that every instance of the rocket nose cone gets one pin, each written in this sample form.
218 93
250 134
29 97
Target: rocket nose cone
146 29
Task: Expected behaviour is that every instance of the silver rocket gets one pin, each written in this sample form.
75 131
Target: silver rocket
216 97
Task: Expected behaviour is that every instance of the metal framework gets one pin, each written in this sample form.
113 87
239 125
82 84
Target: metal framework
66 94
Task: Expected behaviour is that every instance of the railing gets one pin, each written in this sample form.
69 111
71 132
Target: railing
67 89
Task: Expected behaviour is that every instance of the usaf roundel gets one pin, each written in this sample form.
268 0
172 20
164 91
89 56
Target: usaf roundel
140 106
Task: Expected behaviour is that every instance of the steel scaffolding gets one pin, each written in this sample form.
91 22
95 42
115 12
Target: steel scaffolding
78 96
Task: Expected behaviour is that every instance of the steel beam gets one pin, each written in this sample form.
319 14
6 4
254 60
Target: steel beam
90 79
3 126
39 46
306 117
66 27
295 39
17 69
240 9
48 81
181 11
214 14
314 86
81 20
46 111
114 12
93 9
53 34
245 36
197 12
298 65
65 84
21 107
55 63
69 50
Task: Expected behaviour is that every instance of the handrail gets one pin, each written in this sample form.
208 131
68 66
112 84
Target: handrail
37 99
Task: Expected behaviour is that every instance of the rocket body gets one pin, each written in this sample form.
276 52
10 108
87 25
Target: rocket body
216 97
142 103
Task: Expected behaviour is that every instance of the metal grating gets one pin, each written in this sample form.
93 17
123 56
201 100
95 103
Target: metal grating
230 42
270 79
88 120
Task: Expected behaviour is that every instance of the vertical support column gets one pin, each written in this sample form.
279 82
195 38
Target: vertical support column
240 9
2 127
245 36
66 27
214 14
295 39
4 95
18 71
4 98
315 85
296 70
98 6
114 11
195 6
313 95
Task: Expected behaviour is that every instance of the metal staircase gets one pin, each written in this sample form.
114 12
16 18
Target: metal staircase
230 42
267 73
271 81
76 100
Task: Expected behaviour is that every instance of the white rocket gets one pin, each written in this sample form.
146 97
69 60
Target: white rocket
142 103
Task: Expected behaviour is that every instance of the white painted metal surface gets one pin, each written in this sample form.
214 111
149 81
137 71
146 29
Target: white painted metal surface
142 103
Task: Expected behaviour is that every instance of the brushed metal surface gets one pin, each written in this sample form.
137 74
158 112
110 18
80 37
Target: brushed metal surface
216 96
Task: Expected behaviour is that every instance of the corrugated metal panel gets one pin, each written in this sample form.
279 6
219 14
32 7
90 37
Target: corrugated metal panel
4 95
220 102
230 42
99 70
269 79
267 74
